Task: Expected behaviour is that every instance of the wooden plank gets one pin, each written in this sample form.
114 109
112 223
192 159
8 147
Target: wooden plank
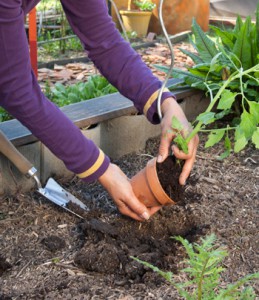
86 113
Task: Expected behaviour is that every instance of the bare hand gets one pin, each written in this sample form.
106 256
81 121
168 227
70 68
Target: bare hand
118 186
169 109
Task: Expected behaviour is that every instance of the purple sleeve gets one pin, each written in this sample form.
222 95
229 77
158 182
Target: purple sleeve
112 55
20 94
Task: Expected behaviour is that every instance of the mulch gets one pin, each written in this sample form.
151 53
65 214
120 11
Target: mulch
48 253
77 72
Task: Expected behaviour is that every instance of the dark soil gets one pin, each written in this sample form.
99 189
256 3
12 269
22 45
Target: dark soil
48 253
171 184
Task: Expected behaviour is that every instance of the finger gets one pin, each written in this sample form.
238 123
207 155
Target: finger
165 143
192 147
128 212
134 208
154 209
187 168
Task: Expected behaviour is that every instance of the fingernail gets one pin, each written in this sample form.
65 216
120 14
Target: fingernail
159 158
145 215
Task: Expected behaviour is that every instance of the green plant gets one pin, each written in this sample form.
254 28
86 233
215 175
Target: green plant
4 115
228 70
62 95
203 270
96 86
130 35
47 5
145 5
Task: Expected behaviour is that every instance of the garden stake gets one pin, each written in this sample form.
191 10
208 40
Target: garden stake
52 191
160 15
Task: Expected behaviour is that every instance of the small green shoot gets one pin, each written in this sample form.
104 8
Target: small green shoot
203 272
145 5
227 69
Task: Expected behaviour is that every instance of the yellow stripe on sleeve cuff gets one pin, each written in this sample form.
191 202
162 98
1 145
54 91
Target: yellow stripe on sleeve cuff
94 167
151 100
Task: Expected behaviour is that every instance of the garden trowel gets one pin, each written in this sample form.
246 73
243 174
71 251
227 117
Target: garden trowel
52 191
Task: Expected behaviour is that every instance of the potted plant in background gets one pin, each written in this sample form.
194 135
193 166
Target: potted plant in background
137 20
178 15
228 70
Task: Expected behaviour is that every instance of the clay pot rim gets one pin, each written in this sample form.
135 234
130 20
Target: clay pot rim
135 12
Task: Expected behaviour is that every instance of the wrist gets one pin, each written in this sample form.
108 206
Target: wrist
170 104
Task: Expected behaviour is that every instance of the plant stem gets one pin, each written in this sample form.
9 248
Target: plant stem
218 129
129 4
234 76
201 279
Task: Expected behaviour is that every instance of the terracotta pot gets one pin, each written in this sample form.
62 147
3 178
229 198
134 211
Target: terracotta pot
137 21
147 188
178 15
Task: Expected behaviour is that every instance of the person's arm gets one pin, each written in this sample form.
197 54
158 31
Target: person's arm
21 96
124 68
113 56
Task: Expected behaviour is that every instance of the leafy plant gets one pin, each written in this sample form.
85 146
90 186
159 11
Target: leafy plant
130 35
228 70
203 270
145 5
96 86
4 115
62 95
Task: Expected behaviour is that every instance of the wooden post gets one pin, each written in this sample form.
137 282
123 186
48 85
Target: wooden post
33 40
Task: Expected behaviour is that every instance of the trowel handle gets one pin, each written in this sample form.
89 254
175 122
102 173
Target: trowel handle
8 149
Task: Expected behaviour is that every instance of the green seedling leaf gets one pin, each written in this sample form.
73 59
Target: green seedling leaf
206 117
254 110
222 114
255 138
166 275
214 137
240 144
227 145
181 143
240 140
248 124
176 124
226 100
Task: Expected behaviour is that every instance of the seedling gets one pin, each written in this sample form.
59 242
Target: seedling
203 272
227 68
247 127
145 5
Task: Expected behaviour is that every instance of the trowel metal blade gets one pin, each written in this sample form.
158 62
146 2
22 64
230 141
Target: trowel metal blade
55 193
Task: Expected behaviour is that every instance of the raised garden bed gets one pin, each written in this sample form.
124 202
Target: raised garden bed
107 112
47 253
